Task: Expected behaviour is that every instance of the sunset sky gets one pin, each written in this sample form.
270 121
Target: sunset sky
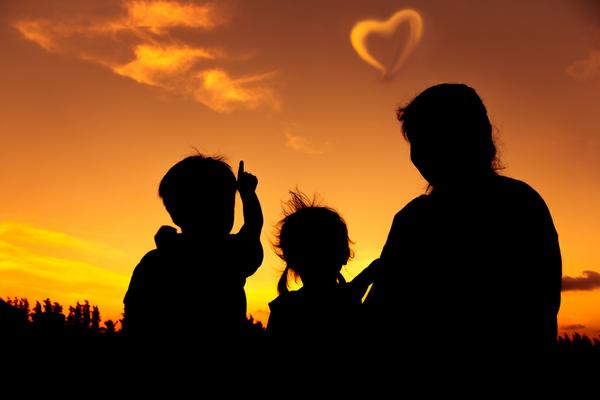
99 98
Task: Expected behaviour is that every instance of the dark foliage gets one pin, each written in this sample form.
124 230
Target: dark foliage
47 320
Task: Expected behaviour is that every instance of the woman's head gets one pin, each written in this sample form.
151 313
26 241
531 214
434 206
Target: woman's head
313 242
450 134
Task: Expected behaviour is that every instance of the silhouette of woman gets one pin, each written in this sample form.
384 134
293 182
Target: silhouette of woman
474 264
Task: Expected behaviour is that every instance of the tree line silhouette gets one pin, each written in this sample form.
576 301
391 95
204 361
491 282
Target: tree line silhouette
49 319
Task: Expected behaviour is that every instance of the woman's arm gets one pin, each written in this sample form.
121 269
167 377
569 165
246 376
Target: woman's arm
360 284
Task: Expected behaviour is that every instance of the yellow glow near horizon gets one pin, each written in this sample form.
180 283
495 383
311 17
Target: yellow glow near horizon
38 263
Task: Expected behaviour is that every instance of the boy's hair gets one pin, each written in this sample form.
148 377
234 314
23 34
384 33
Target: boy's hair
309 231
198 184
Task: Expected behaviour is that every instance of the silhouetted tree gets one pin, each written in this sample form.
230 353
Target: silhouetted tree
95 320
21 304
255 328
14 317
48 320
109 328
86 315
79 320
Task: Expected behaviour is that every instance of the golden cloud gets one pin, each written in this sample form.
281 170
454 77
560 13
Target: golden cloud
218 91
37 32
154 64
39 263
150 56
157 16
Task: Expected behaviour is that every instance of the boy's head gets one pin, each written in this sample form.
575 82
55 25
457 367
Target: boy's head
199 194
312 240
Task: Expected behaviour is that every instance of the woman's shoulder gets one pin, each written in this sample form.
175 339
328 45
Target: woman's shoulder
517 190
415 207
513 184
523 201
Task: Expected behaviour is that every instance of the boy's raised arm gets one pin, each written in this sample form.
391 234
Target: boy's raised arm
253 222
253 217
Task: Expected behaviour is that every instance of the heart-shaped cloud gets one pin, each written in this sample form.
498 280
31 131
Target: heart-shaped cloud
363 29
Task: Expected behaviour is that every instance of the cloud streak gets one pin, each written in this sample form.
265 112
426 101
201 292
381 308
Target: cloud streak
154 65
587 68
159 16
302 144
573 327
218 91
589 281
138 44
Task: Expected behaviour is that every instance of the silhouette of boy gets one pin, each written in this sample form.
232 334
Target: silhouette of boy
474 265
314 244
192 286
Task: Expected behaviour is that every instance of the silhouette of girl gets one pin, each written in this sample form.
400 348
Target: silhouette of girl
313 242
474 264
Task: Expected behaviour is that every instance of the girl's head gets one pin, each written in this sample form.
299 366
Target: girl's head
450 134
313 242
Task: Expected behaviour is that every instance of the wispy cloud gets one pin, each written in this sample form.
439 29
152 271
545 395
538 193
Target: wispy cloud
217 90
155 65
301 143
589 281
138 44
573 327
23 235
158 16
587 68
39 263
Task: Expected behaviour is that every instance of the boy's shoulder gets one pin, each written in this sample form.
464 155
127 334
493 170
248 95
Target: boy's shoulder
155 260
149 262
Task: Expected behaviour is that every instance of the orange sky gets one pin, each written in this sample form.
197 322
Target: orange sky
99 98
